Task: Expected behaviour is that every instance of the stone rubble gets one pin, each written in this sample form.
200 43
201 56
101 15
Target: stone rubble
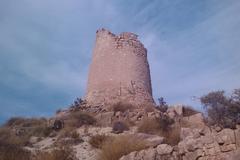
213 145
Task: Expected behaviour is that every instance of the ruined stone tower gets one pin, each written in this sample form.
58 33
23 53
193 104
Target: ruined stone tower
119 70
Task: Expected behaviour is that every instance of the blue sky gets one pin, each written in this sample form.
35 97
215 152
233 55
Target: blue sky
46 46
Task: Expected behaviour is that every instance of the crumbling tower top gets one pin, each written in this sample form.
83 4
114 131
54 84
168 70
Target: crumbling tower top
119 70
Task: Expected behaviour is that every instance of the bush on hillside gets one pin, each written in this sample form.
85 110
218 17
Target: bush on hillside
78 119
162 126
17 131
13 152
98 140
162 105
119 127
29 126
222 110
154 125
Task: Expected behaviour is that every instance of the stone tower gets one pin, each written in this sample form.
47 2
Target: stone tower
119 71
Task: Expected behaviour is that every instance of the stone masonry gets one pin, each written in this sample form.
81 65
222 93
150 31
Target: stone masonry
119 70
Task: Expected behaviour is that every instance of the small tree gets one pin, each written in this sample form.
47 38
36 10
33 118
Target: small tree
162 105
222 110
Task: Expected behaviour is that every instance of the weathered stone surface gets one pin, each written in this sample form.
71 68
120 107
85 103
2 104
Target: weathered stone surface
237 137
84 151
186 132
148 154
235 155
104 119
208 140
119 70
189 145
163 149
204 131
194 121
227 148
209 146
33 139
193 155
226 136
217 128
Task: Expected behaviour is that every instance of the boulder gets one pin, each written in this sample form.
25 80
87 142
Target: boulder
147 154
193 155
164 149
33 139
227 148
225 137
235 155
237 134
186 132
189 144
194 121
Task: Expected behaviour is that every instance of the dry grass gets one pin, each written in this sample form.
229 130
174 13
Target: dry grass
116 147
29 126
68 136
122 107
63 153
25 122
163 127
149 126
68 133
154 125
7 136
74 135
172 136
13 152
98 140
78 118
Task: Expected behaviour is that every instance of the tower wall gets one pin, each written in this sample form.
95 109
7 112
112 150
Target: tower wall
119 70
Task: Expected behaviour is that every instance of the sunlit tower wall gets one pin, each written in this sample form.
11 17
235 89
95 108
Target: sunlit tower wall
119 71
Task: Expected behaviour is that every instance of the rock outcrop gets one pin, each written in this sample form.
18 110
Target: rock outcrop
197 144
